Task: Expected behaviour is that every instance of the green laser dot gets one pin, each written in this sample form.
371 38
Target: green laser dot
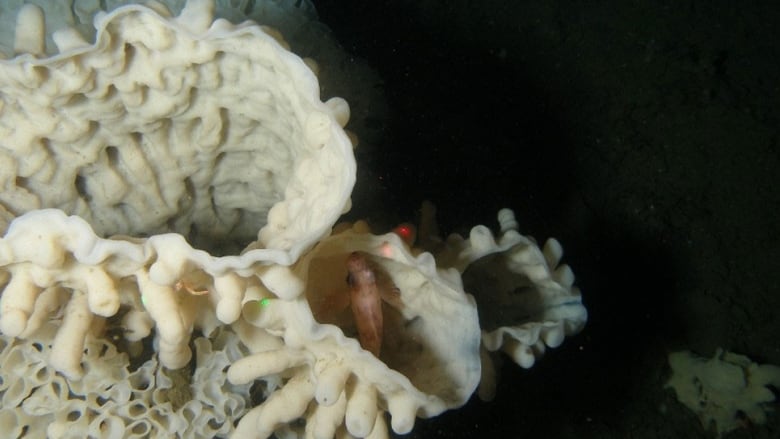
265 302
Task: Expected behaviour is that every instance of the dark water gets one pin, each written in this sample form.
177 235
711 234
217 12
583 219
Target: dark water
643 135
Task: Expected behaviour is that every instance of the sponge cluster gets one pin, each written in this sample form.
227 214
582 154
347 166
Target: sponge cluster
113 401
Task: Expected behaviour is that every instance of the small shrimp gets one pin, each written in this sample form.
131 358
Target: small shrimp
366 301
183 285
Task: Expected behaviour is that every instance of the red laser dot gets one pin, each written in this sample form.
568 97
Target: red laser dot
406 232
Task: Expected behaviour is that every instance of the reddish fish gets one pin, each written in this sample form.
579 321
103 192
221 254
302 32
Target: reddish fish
366 302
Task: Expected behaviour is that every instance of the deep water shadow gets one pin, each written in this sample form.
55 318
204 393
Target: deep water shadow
466 130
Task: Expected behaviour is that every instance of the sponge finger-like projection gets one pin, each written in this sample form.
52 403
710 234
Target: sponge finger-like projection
361 409
282 407
264 364
17 303
69 342
324 420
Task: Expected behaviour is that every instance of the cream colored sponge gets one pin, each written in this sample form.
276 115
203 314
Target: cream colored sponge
174 124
